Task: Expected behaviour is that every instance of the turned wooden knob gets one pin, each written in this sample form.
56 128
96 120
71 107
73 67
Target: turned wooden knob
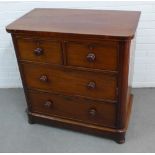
43 78
91 57
92 112
91 85
38 51
48 104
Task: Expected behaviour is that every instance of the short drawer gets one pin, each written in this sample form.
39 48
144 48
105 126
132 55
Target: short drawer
39 50
72 82
79 109
93 55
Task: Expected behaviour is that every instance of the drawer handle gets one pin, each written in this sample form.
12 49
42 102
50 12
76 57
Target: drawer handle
92 112
48 104
43 78
38 51
91 85
91 57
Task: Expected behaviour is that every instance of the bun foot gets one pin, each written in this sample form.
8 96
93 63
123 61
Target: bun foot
120 141
30 121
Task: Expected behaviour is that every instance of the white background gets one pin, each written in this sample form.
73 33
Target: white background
144 65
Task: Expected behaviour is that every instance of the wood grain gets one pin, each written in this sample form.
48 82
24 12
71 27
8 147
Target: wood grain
51 50
105 54
70 82
76 21
73 108
74 66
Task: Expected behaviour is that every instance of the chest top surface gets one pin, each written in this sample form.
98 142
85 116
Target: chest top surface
76 21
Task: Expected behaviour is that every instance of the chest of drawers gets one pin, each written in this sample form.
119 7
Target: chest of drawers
76 68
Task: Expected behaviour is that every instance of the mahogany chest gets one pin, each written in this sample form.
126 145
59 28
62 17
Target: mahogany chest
76 68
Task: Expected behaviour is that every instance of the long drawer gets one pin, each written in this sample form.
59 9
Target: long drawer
71 82
79 109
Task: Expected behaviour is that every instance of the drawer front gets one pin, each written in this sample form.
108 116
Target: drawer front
89 84
79 109
97 56
39 50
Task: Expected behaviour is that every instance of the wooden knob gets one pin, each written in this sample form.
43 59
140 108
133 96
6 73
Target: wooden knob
48 104
92 112
38 51
91 85
91 57
43 78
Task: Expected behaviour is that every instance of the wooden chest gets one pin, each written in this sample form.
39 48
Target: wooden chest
76 68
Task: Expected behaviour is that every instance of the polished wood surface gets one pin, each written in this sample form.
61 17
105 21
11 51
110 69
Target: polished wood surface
75 72
79 109
76 21
70 82
114 133
39 50
93 55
